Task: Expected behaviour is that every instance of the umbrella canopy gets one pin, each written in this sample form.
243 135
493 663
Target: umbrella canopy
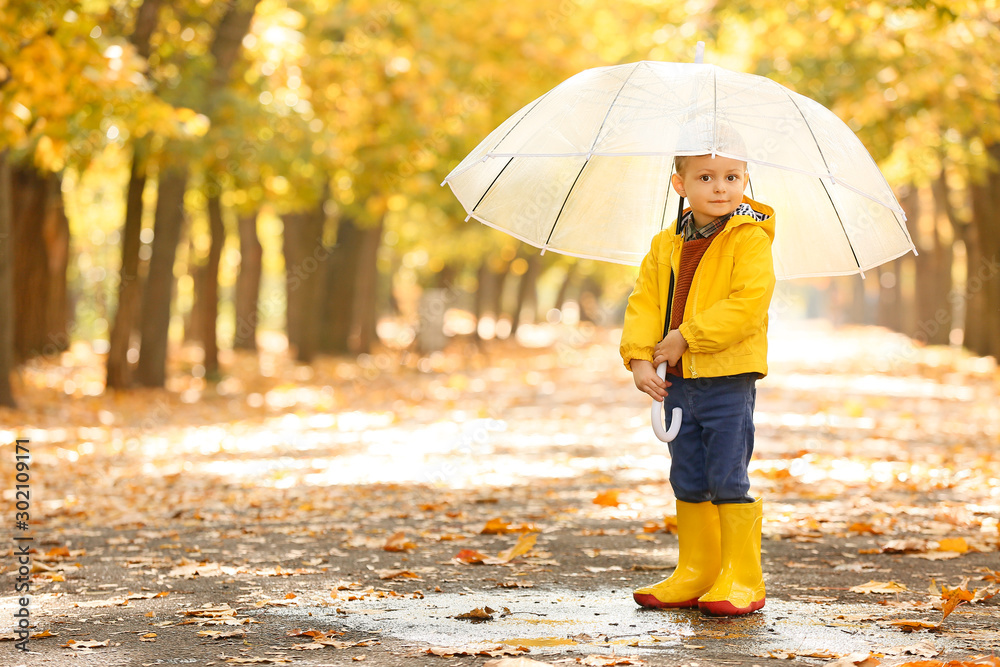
585 169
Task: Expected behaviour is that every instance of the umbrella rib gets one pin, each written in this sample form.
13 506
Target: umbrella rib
819 150
587 161
715 111
523 116
663 218
487 190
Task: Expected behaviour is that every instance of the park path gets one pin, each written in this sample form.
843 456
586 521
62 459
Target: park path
353 500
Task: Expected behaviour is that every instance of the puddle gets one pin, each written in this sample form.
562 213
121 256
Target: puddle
606 621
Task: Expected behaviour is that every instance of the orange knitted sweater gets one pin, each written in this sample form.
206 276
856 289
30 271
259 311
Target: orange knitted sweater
691 253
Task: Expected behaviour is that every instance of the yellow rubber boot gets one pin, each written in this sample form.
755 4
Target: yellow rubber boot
699 562
740 586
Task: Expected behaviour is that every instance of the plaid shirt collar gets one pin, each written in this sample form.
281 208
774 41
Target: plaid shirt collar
690 232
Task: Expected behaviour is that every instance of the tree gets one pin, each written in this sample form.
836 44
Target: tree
6 286
118 373
202 91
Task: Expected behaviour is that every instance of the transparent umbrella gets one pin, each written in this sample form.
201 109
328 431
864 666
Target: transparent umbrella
585 169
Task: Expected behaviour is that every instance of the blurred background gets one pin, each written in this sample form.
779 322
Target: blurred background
183 182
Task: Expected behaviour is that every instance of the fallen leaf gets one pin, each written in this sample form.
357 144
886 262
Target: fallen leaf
398 542
295 632
109 602
222 634
956 544
520 661
476 615
859 659
236 660
879 587
910 626
189 570
398 574
953 598
524 544
73 644
924 648
907 546
495 526
607 498
610 660
470 557
863 527
496 652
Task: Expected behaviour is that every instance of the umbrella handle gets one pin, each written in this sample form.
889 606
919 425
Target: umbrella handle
665 435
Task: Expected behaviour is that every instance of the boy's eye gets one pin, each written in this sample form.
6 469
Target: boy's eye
732 177
706 178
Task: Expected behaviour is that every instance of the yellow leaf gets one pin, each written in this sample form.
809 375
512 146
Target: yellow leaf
398 542
952 598
879 587
957 544
607 498
495 526
525 543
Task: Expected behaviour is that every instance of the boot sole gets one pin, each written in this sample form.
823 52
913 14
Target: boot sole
650 601
726 608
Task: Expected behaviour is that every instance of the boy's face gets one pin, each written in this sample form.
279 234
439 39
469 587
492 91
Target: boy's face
713 186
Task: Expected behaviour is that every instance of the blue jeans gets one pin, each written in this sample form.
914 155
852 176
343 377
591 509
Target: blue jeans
710 455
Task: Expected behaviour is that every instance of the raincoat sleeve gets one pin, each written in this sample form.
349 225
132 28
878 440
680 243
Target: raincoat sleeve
643 327
731 320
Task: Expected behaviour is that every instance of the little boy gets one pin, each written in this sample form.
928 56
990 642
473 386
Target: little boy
713 337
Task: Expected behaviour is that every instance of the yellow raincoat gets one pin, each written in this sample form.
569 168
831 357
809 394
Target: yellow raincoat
725 318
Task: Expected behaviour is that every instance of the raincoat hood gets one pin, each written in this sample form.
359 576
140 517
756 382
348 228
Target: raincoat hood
767 223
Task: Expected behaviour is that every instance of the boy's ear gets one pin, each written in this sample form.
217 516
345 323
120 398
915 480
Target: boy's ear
746 179
678 184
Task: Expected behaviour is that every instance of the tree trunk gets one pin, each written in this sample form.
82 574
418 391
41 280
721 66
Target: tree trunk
975 329
305 257
351 285
567 284
984 274
857 313
248 284
41 248
209 296
225 48
118 374
7 361
159 287
365 313
933 274
56 234
889 313
119 370
527 294
591 309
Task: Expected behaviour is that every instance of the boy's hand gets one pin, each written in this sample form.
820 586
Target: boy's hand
646 379
670 349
